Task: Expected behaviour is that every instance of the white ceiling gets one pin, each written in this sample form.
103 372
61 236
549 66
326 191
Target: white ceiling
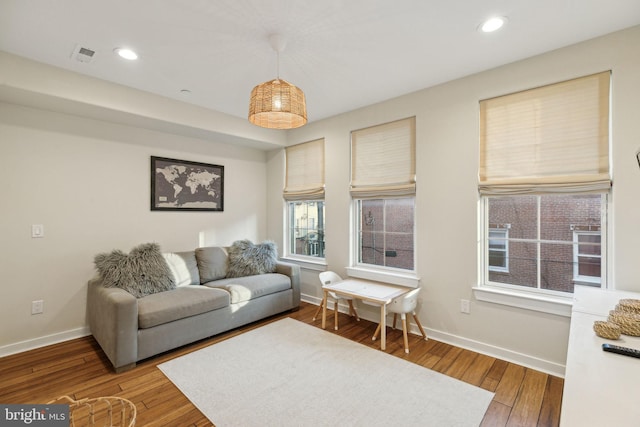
344 54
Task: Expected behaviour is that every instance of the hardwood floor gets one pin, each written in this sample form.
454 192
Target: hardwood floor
78 368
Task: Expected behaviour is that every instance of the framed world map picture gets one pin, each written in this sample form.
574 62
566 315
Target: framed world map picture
180 185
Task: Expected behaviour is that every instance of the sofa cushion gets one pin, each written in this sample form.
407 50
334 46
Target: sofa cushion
249 287
141 272
185 301
184 267
212 263
246 259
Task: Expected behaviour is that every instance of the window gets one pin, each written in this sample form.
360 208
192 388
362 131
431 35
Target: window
304 197
543 180
383 190
385 235
499 248
306 228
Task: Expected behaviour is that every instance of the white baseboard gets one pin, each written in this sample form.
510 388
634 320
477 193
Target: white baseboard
32 344
525 360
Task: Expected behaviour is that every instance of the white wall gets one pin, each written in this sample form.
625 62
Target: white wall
88 183
446 207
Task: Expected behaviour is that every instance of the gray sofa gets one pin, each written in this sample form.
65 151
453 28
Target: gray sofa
204 303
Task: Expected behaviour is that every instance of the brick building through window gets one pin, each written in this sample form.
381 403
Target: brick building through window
553 241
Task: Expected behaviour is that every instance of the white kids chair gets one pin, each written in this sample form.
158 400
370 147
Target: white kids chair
402 305
327 278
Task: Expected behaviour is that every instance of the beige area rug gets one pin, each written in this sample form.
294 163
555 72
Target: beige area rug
288 373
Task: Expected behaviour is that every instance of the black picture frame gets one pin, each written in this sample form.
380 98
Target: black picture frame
183 185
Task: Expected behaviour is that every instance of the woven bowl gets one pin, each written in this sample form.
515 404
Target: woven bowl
629 323
629 305
99 411
607 330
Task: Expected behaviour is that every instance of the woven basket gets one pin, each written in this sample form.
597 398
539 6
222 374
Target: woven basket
100 411
629 322
629 305
607 330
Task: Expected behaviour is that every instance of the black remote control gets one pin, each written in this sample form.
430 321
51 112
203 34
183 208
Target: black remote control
626 351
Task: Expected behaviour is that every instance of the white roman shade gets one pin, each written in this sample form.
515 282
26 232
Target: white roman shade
552 139
383 160
305 171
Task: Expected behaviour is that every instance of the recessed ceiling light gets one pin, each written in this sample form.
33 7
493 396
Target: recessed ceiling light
493 24
126 53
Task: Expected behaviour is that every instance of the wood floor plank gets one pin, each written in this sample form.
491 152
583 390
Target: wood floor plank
448 359
419 353
166 415
509 385
173 399
526 409
479 370
440 349
201 423
54 352
80 369
489 384
497 415
461 364
159 395
150 376
492 379
550 411
103 389
497 370
50 368
38 385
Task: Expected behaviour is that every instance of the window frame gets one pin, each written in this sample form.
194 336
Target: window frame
392 275
543 300
499 229
590 280
357 249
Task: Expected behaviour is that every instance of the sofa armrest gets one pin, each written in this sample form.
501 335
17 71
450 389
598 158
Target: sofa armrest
113 320
293 271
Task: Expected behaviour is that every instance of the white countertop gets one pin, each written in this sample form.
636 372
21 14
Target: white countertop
600 388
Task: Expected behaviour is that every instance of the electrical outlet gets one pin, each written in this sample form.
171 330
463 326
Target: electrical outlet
37 307
464 306
37 231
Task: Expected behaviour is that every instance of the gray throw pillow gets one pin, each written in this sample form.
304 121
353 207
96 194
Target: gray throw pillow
143 271
247 259
184 267
212 263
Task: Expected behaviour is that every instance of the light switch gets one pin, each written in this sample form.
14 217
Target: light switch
37 231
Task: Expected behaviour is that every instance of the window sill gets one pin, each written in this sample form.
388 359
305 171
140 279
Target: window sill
393 278
546 304
587 282
319 265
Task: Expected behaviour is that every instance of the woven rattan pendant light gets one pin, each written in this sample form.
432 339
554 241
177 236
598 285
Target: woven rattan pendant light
277 104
